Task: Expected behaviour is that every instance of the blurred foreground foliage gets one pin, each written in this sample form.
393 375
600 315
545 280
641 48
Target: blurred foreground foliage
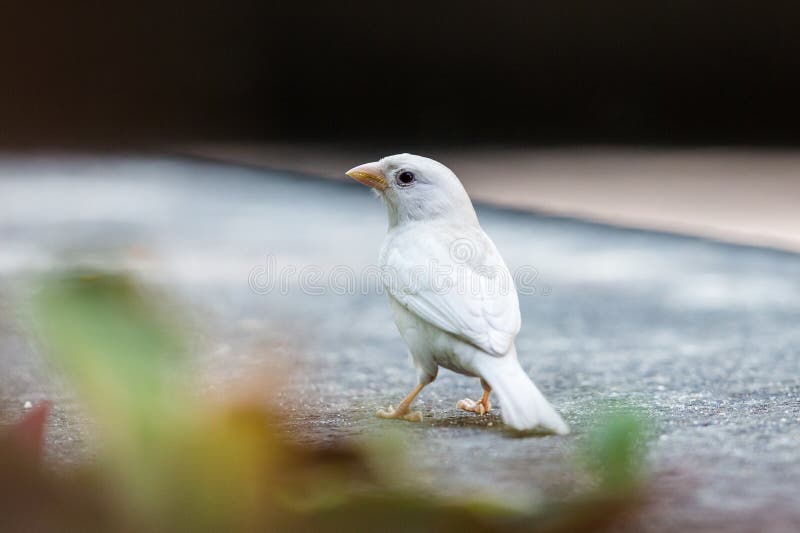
171 462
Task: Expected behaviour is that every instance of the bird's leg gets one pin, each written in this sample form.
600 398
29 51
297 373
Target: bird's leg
480 407
403 410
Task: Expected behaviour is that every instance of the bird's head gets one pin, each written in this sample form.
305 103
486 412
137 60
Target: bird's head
416 188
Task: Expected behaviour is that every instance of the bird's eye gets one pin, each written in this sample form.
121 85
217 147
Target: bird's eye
405 178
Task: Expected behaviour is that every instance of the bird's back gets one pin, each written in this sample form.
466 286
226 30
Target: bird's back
453 277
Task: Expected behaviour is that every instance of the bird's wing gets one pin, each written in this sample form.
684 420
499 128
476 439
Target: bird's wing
459 284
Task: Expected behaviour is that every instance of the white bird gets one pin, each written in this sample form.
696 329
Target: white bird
451 294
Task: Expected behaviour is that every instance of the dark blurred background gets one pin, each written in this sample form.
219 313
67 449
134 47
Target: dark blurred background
544 72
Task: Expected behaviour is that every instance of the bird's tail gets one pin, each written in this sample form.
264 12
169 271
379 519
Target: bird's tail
523 406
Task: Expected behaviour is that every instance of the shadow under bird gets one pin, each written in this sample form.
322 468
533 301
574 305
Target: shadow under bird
452 296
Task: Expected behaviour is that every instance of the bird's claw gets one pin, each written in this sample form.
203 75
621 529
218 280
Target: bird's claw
405 414
480 407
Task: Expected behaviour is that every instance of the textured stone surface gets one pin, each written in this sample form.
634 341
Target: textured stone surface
701 336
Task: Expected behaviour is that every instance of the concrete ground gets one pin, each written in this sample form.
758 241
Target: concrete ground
700 335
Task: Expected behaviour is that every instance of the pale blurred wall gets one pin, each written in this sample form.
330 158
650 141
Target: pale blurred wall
748 196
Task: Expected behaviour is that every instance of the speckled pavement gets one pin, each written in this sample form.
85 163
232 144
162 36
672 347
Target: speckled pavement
701 336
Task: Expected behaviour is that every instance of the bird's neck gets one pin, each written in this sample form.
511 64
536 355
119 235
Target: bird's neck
458 213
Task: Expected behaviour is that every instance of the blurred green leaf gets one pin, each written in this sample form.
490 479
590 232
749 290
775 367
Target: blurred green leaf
120 349
615 447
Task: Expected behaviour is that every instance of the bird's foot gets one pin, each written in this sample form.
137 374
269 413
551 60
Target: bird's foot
400 413
480 407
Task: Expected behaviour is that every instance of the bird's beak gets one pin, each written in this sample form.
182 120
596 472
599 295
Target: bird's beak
369 174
